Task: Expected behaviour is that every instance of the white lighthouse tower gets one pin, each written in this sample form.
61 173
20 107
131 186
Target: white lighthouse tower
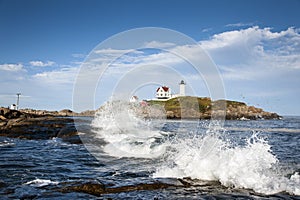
182 88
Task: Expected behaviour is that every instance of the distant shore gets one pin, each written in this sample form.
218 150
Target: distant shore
61 113
185 107
43 124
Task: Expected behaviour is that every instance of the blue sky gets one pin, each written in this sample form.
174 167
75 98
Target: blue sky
255 45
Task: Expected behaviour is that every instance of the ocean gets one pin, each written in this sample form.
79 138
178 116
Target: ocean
229 160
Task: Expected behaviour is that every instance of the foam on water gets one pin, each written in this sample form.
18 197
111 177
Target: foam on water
41 182
252 166
126 134
7 143
205 156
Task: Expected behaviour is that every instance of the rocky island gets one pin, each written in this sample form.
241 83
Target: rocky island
188 107
43 124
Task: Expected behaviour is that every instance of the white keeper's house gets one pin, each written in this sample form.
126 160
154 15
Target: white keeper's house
163 92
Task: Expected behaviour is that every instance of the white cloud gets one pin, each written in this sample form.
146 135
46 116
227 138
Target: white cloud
111 51
246 54
250 60
256 62
158 45
240 24
254 52
11 67
39 63
47 90
60 76
236 37
206 30
259 64
251 37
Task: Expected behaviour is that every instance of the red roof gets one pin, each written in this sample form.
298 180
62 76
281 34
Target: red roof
165 88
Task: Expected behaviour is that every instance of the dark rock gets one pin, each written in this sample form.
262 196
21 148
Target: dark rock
34 124
65 112
97 189
87 113
69 134
92 188
9 114
36 128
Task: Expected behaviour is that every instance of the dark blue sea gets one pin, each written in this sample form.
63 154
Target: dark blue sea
235 160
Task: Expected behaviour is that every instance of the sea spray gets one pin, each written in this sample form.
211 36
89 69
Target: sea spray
249 166
127 133
205 153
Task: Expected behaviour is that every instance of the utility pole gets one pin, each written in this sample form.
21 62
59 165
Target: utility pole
18 100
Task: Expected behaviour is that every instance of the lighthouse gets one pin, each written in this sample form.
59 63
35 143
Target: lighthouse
182 88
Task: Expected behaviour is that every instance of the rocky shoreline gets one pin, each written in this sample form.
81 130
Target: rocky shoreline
17 124
42 124
61 113
176 108
204 108
98 189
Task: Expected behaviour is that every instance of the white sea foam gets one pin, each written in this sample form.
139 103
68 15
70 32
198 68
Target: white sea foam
126 134
6 144
41 182
204 156
252 166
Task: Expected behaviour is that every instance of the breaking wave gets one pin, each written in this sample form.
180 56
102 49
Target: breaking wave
204 153
126 134
251 166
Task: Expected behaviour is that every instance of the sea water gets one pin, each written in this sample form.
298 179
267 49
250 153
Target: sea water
240 159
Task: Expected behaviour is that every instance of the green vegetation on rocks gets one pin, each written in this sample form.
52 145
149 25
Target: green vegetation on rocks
203 108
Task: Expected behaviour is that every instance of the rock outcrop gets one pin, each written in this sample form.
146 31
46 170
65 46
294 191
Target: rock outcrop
36 125
61 113
98 189
40 128
203 108
6 113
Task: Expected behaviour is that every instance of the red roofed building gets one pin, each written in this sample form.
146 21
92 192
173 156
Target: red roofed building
163 92
134 99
